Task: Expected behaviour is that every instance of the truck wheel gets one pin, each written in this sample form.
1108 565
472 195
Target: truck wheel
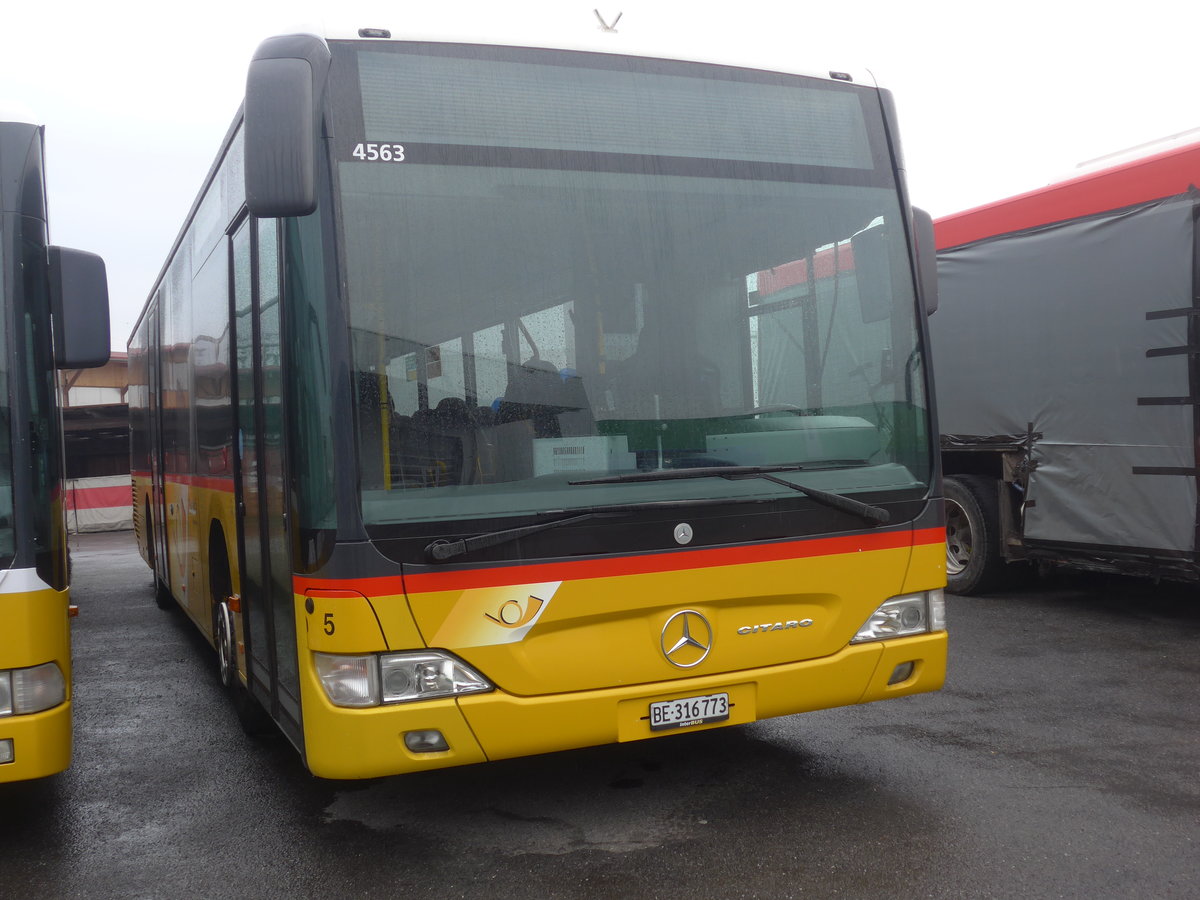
974 563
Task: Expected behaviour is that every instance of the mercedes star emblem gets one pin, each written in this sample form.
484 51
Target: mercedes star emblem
686 639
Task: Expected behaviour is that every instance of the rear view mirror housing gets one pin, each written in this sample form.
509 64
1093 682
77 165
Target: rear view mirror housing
926 259
78 308
281 123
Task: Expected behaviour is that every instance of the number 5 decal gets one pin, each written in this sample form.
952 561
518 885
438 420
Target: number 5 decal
329 629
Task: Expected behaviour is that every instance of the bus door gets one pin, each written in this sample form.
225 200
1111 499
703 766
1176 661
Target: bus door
157 525
268 610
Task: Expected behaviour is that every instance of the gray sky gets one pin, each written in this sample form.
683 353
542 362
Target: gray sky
137 96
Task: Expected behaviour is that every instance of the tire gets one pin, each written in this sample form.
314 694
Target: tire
252 717
255 720
162 595
224 632
974 563
223 640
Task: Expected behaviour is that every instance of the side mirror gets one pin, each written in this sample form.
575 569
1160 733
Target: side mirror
281 115
78 308
926 259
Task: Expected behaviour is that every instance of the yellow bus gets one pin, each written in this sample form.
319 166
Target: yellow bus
53 311
497 400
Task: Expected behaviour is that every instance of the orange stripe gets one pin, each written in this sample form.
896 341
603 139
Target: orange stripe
669 561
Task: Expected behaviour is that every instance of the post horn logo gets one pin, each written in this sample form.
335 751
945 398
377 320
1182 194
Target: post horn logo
686 639
514 614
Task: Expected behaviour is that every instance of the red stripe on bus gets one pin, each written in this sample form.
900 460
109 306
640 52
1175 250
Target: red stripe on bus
649 563
1151 177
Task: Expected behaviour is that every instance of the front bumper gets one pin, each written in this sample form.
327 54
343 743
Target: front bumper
41 743
341 743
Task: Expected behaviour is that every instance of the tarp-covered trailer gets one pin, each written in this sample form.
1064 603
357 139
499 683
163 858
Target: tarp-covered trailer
1067 352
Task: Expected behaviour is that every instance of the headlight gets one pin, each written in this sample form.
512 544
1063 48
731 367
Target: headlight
24 691
901 616
349 680
369 680
5 694
423 676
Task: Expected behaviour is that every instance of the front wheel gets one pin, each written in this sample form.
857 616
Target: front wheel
254 719
226 651
974 563
162 595
251 715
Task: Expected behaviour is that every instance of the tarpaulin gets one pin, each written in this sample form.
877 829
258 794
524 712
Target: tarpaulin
1046 333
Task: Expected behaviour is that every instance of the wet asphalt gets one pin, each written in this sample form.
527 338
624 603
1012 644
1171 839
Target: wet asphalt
1061 760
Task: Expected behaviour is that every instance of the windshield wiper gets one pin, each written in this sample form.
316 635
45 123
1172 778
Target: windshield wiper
873 514
440 550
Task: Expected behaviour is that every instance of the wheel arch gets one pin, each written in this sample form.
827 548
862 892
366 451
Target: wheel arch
221 571
987 464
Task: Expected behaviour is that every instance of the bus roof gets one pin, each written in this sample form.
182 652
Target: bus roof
583 33
1140 180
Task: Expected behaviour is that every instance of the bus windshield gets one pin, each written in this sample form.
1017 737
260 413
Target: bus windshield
570 266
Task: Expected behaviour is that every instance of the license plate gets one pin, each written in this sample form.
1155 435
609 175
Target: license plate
686 712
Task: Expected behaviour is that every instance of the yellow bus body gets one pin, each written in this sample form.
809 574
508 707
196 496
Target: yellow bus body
584 680
578 681
323 426
36 631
